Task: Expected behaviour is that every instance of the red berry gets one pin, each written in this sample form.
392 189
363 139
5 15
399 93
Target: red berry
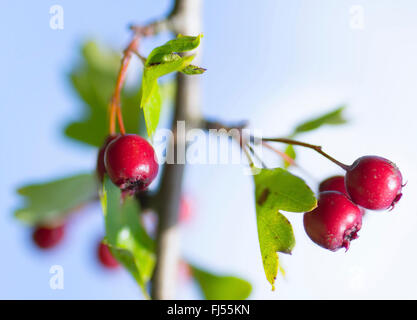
374 183
48 237
335 222
335 183
130 162
100 168
105 256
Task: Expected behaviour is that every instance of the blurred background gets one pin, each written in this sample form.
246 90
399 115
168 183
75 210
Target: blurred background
273 62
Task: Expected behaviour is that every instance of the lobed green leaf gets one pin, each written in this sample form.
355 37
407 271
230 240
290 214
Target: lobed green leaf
275 190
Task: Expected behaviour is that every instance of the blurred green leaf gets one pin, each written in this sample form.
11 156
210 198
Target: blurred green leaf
125 236
221 287
167 52
94 79
289 151
52 201
275 190
334 117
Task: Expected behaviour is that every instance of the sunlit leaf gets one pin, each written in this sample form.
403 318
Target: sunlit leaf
276 190
165 52
192 69
125 236
290 152
150 99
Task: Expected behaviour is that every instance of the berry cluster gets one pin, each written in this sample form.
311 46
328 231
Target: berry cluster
371 182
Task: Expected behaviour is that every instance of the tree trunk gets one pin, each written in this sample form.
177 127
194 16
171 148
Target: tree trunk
187 21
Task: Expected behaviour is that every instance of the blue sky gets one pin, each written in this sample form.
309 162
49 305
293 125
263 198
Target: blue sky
273 62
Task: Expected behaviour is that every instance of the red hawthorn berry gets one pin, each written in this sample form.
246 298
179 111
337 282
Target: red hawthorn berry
335 222
105 256
48 237
374 183
131 162
335 183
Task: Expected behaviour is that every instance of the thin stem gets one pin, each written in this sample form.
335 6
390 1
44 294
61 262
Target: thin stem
310 146
112 119
250 160
252 150
287 158
283 155
120 119
115 108
142 58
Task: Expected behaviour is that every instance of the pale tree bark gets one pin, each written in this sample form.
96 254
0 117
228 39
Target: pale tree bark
185 19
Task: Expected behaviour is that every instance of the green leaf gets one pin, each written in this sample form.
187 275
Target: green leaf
53 201
150 94
165 52
192 70
221 287
151 104
334 117
125 236
275 190
289 151
162 61
94 79
159 70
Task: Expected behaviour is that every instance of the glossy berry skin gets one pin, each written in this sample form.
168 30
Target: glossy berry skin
374 183
105 256
100 167
335 183
335 222
131 163
48 237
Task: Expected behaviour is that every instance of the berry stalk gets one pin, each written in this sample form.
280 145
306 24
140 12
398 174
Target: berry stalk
310 146
115 105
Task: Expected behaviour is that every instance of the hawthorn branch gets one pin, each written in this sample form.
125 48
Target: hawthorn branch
185 19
